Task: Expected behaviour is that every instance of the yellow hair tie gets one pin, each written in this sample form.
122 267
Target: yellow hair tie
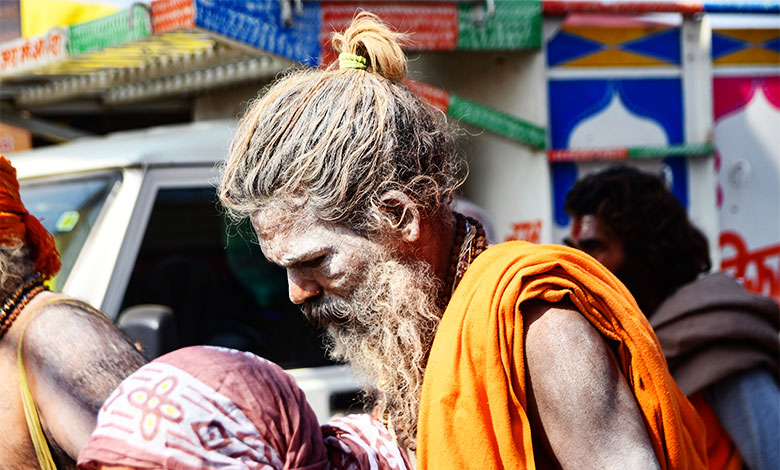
351 61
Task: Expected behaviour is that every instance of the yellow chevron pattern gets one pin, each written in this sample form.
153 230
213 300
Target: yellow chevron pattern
753 50
612 40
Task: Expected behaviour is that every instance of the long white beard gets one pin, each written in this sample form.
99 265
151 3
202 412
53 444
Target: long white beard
385 330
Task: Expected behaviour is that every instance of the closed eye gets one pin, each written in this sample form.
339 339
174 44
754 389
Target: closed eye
588 245
310 263
591 245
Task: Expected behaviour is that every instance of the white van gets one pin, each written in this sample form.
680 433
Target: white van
142 237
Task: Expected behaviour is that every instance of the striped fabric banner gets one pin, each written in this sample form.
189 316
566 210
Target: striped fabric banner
481 116
629 153
562 7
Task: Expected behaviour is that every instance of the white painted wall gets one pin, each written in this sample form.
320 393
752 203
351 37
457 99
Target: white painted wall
507 178
697 99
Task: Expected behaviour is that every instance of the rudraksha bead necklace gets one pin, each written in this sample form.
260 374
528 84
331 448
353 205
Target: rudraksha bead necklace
17 301
470 241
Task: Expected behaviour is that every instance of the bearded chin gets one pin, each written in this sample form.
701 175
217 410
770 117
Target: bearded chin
385 331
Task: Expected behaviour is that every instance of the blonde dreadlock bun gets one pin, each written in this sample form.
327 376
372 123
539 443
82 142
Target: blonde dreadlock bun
369 37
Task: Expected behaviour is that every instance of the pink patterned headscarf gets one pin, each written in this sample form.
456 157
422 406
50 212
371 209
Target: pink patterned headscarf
213 408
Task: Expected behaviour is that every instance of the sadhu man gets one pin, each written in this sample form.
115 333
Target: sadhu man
72 356
720 341
516 356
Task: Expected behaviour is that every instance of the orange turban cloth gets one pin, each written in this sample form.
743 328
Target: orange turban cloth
17 224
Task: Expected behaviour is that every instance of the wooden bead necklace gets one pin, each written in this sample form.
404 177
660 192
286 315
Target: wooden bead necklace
470 241
16 302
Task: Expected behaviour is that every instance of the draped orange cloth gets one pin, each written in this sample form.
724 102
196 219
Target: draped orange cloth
16 224
721 451
473 402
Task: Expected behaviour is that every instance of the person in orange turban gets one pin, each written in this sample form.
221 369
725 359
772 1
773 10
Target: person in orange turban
18 225
71 357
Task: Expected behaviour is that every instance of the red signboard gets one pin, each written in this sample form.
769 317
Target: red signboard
25 53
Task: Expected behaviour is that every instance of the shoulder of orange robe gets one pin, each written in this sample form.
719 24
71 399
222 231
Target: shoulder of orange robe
482 326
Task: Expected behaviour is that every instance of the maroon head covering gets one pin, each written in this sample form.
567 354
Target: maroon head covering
205 407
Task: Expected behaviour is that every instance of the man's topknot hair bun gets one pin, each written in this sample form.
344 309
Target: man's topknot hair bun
337 140
369 37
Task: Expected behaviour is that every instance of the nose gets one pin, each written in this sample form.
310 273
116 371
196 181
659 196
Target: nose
301 288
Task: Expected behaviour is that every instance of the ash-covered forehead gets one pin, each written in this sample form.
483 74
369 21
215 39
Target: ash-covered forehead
288 236
278 215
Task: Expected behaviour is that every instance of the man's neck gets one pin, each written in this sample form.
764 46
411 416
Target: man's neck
437 244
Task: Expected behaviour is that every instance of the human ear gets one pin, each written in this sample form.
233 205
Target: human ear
402 214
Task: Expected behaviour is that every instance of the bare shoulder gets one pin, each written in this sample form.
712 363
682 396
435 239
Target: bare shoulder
564 352
582 407
74 359
552 323
563 349
69 337
559 328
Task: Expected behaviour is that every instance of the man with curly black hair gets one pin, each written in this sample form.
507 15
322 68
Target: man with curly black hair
720 341
661 249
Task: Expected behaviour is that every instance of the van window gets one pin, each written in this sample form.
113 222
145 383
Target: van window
222 290
68 209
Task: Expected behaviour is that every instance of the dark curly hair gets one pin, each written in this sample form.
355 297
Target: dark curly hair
662 248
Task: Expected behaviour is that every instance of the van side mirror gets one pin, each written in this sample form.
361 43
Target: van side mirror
152 325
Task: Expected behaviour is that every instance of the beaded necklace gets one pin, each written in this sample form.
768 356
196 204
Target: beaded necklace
470 241
16 302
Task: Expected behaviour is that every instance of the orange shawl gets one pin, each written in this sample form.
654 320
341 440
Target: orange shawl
472 410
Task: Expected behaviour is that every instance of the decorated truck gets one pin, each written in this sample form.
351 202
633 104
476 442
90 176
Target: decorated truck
546 91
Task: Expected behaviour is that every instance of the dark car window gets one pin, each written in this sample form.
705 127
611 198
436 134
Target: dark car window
68 209
222 290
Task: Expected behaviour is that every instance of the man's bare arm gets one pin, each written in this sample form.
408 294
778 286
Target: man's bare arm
74 360
582 401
